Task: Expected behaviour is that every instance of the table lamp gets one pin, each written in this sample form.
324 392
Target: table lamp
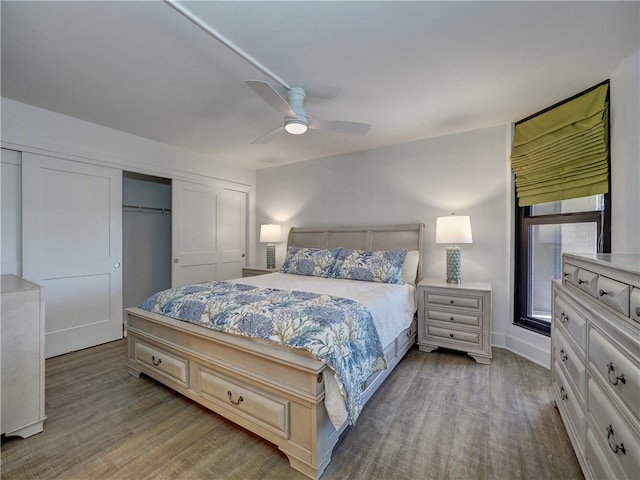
270 234
453 230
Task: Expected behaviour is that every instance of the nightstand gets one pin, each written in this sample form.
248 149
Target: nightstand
456 317
255 271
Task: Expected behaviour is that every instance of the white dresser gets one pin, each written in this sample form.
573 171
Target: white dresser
595 361
22 370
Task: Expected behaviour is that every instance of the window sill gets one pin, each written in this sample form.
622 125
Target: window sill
535 325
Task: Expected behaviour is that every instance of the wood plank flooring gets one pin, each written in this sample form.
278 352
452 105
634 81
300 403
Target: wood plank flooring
439 416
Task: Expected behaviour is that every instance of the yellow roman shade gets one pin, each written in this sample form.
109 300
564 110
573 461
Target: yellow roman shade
563 152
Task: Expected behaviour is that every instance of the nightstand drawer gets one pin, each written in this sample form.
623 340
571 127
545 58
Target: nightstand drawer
474 338
462 301
453 317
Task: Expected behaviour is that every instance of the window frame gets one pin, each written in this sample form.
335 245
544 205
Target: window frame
524 220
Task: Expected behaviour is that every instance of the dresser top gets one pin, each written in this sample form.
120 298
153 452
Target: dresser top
13 283
622 261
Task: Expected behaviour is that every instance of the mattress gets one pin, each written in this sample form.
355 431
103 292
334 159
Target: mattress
391 306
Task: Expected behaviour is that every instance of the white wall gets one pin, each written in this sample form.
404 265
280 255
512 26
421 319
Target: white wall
414 182
625 156
25 127
466 173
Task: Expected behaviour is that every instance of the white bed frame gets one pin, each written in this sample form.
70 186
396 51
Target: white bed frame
271 391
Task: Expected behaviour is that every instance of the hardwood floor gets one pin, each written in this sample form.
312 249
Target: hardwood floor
440 415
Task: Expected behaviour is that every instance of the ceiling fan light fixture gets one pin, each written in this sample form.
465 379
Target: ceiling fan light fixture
295 127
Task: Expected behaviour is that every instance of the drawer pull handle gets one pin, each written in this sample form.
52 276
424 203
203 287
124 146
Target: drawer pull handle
567 274
563 394
235 402
615 448
564 318
563 355
602 292
451 302
154 361
451 335
637 311
610 370
451 318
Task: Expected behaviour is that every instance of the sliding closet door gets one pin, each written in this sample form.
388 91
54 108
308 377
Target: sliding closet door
72 245
209 233
234 226
195 210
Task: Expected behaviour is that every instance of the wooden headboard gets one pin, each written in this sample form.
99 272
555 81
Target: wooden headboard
376 237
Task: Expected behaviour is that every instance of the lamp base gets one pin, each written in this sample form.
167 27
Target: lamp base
454 264
271 256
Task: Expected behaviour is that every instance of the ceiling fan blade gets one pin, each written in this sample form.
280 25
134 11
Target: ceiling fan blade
271 96
339 126
270 135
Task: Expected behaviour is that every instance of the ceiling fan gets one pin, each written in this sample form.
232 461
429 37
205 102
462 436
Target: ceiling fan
296 120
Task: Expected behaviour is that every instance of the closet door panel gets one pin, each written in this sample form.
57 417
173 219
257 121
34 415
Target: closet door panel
234 226
72 245
196 210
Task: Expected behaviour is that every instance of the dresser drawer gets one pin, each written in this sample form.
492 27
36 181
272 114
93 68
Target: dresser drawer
588 282
597 458
461 301
614 294
570 403
570 361
167 364
457 336
247 401
618 370
452 316
634 304
573 322
612 430
570 274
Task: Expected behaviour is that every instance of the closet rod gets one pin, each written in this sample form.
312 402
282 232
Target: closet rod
140 208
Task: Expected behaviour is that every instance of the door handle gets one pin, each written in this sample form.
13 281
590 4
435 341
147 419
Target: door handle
116 265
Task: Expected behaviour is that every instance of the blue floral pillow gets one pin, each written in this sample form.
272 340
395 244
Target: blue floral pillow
370 266
310 261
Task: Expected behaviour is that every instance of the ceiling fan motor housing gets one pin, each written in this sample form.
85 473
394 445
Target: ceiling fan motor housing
296 98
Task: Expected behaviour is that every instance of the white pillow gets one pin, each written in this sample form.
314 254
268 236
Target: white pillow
410 267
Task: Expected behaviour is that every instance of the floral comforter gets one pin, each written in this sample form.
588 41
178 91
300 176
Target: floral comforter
336 330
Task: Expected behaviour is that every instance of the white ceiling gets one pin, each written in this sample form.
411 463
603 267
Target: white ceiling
411 69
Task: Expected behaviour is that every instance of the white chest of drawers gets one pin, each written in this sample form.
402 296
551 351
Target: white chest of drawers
22 317
456 317
595 361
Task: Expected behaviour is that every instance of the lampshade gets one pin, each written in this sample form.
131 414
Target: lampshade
270 233
453 229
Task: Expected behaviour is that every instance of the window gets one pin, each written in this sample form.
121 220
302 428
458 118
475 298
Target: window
561 162
544 232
